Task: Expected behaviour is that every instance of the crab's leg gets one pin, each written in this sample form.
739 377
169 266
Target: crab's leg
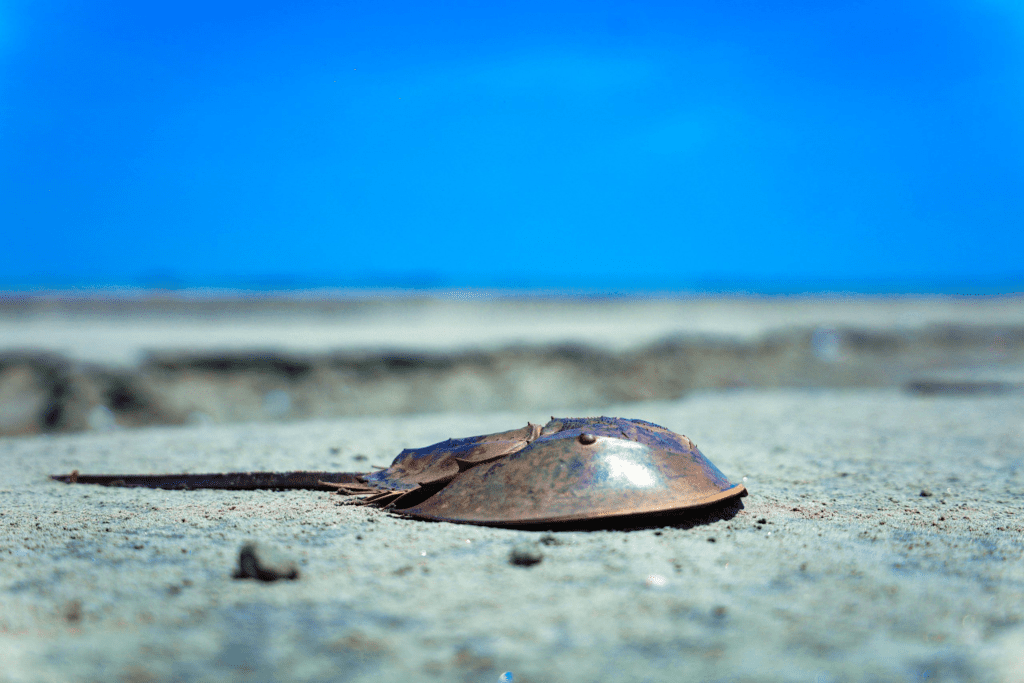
317 481
381 499
347 489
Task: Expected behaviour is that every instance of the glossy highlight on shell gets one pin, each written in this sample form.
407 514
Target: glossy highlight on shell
571 470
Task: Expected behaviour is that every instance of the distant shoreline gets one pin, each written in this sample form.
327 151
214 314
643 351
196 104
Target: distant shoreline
397 288
298 295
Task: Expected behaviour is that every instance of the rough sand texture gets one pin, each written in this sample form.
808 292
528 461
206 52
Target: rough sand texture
837 569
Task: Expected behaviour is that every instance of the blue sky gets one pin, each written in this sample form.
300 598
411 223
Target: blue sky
766 146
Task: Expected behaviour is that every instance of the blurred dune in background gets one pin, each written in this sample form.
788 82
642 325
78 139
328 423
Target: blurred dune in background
73 363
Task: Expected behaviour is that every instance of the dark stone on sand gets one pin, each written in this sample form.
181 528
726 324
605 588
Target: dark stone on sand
525 555
256 561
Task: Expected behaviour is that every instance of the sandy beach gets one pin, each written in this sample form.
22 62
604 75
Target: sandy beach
881 441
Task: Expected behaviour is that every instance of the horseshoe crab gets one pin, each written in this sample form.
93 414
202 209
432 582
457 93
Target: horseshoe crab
571 470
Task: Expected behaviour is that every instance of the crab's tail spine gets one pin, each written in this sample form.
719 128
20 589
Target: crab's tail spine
238 481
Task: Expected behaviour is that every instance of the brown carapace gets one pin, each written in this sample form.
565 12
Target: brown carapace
572 470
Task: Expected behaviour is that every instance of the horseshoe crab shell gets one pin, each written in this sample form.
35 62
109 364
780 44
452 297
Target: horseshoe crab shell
574 469
571 470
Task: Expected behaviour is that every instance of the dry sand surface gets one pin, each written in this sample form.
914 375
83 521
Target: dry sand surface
882 540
